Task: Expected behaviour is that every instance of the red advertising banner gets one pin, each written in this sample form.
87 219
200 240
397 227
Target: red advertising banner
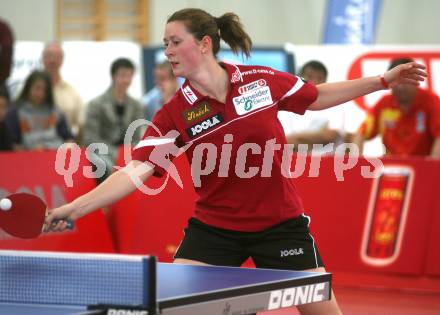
433 250
380 225
387 214
35 172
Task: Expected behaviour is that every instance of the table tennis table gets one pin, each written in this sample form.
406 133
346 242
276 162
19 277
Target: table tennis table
71 283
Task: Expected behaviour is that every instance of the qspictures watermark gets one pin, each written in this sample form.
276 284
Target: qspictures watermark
208 158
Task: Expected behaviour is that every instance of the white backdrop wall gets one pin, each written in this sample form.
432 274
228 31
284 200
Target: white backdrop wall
30 19
269 22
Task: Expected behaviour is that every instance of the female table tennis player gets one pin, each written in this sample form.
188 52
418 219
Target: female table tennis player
225 106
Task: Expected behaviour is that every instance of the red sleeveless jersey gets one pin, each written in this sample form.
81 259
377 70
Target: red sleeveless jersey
235 148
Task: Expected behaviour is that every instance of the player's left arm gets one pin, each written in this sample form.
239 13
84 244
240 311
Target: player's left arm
332 94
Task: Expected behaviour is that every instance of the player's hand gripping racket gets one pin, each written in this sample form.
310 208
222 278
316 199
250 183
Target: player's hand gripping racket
22 215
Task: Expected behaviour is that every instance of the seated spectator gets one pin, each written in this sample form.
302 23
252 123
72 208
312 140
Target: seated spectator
109 115
5 138
407 120
166 85
34 122
316 127
66 97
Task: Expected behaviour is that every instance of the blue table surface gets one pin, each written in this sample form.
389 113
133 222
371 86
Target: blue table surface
180 280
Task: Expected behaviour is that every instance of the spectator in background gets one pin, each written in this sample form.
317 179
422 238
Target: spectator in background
66 97
34 122
407 120
5 137
6 49
166 85
319 129
109 115
314 71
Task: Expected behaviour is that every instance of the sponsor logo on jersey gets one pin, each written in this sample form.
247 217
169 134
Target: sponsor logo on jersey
258 71
297 296
253 100
190 96
236 76
251 86
204 125
292 252
197 112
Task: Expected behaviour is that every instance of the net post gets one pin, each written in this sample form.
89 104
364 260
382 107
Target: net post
150 284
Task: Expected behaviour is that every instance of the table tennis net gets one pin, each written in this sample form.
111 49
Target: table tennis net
73 279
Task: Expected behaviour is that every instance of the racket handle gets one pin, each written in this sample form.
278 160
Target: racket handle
70 223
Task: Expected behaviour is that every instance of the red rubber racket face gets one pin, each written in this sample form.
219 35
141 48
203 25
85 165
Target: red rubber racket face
26 217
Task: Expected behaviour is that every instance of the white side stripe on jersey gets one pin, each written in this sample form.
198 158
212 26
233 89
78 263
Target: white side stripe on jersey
298 84
154 142
309 219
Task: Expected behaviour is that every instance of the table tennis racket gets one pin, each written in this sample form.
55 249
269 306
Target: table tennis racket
26 216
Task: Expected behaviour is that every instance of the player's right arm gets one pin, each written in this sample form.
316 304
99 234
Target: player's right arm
115 187
125 180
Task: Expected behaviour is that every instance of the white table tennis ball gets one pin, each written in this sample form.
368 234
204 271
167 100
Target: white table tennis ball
5 204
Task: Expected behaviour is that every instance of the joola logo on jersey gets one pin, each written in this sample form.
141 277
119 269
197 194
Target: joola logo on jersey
292 252
297 296
204 125
251 86
197 112
253 100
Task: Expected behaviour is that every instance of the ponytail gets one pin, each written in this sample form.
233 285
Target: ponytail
227 27
232 32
